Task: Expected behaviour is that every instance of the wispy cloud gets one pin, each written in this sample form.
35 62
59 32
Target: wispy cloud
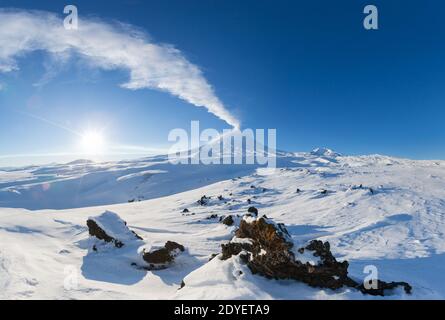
109 47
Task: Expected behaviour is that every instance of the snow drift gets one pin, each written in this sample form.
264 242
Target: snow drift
373 210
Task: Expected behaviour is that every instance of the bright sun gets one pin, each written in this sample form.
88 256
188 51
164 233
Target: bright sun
93 142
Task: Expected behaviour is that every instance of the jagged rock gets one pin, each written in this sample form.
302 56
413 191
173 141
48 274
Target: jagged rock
234 248
382 286
253 210
171 245
109 227
220 198
96 231
212 216
185 210
323 191
249 201
228 221
298 190
160 258
203 201
268 250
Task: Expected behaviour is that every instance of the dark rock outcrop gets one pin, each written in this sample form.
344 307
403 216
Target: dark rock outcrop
228 221
268 250
253 210
162 257
382 286
95 231
171 245
203 201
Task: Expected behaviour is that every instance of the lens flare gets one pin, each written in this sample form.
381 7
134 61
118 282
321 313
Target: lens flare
93 142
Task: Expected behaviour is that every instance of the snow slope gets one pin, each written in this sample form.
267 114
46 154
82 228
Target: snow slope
376 210
82 183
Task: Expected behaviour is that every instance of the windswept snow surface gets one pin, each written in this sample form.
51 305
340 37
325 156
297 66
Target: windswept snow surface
83 184
375 210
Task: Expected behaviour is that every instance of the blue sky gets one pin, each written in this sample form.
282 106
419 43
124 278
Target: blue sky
307 68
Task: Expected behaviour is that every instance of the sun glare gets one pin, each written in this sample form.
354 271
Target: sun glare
93 142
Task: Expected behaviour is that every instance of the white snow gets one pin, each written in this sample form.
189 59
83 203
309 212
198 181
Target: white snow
84 184
241 240
399 226
114 226
11 176
306 257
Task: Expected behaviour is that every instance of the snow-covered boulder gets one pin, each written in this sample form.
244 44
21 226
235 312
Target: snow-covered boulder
161 257
270 253
267 249
109 227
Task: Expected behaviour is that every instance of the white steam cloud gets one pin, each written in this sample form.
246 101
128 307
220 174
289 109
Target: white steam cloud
108 47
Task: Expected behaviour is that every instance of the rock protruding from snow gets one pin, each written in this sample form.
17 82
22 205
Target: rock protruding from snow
109 227
228 221
253 210
268 250
203 201
160 258
382 286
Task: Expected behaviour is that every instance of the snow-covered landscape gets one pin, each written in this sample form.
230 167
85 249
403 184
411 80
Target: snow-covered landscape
373 210
180 150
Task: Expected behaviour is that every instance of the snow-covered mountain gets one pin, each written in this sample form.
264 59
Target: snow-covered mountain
373 210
